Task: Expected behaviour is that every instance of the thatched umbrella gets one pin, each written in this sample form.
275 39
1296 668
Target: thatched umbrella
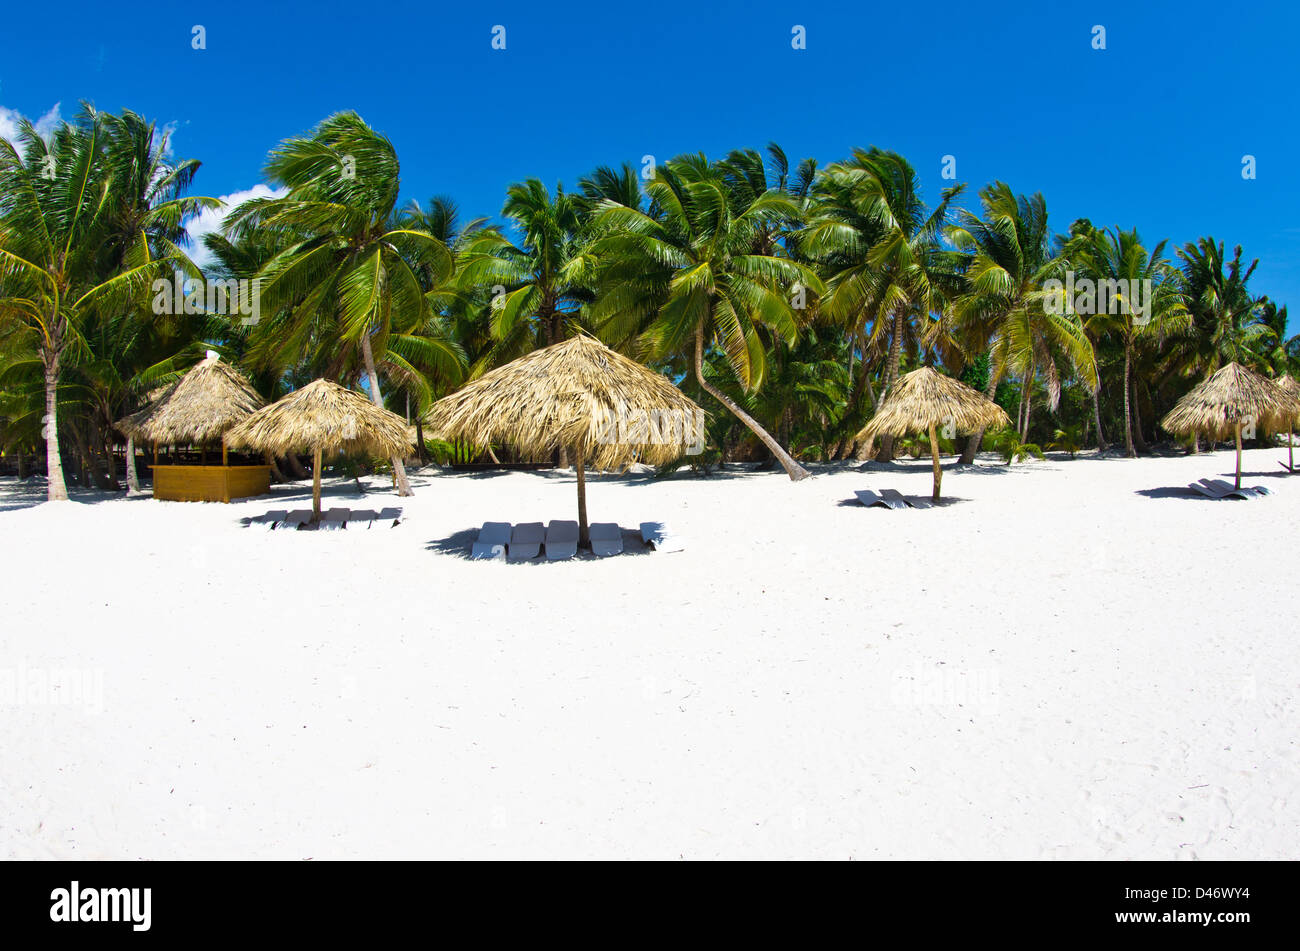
198 408
610 411
1230 399
926 400
1291 387
323 417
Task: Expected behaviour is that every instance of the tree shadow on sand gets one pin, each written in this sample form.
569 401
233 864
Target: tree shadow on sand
15 495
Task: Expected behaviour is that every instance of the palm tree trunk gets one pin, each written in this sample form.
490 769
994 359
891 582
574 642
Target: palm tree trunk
1128 410
399 470
792 468
22 465
886 453
1139 439
275 470
976 438
295 466
934 455
315 484
1096 415
57 490
419 439
1238 484
132 477
584 537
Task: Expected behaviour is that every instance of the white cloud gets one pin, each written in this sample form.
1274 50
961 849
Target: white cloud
9 124
45 125
211 219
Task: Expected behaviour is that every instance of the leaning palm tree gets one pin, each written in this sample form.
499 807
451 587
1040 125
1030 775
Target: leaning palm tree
683 276
348 277
66 253
926 401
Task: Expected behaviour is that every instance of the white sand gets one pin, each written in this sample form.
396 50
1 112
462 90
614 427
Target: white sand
1056 666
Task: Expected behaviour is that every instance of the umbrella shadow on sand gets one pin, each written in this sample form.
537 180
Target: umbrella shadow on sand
1176 492
461 543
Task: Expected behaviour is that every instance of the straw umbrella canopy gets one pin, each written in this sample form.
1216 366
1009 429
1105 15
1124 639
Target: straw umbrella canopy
926 400
610 411
1291 387
324 418
198 408
1230 399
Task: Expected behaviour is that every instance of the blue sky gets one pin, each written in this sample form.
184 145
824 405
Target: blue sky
1149 132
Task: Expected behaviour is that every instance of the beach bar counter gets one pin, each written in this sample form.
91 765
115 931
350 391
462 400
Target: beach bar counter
221 483
197 410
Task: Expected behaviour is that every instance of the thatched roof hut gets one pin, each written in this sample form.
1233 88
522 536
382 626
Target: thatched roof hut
324 418
197 409
610 411
1291 387
1233 398
926 400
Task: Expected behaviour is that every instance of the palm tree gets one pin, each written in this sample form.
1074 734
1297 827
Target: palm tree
1008 258
1117 259
1228 323
683 275
539 289
348 278
881 243
81 236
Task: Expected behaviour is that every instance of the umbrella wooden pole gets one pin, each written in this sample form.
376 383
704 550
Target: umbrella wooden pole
1238 485
934 455
225 454
583 537
315 484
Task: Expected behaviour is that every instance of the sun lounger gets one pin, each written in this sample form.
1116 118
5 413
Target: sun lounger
606 539
297 519
1218 489
1247 491
661 537
869 498
526 541
362 518
561 540
390 514
892 499
335 520
493 538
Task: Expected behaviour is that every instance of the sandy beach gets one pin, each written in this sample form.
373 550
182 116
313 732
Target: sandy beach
1073 659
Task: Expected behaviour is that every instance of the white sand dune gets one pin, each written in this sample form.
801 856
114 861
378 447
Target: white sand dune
1056 666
